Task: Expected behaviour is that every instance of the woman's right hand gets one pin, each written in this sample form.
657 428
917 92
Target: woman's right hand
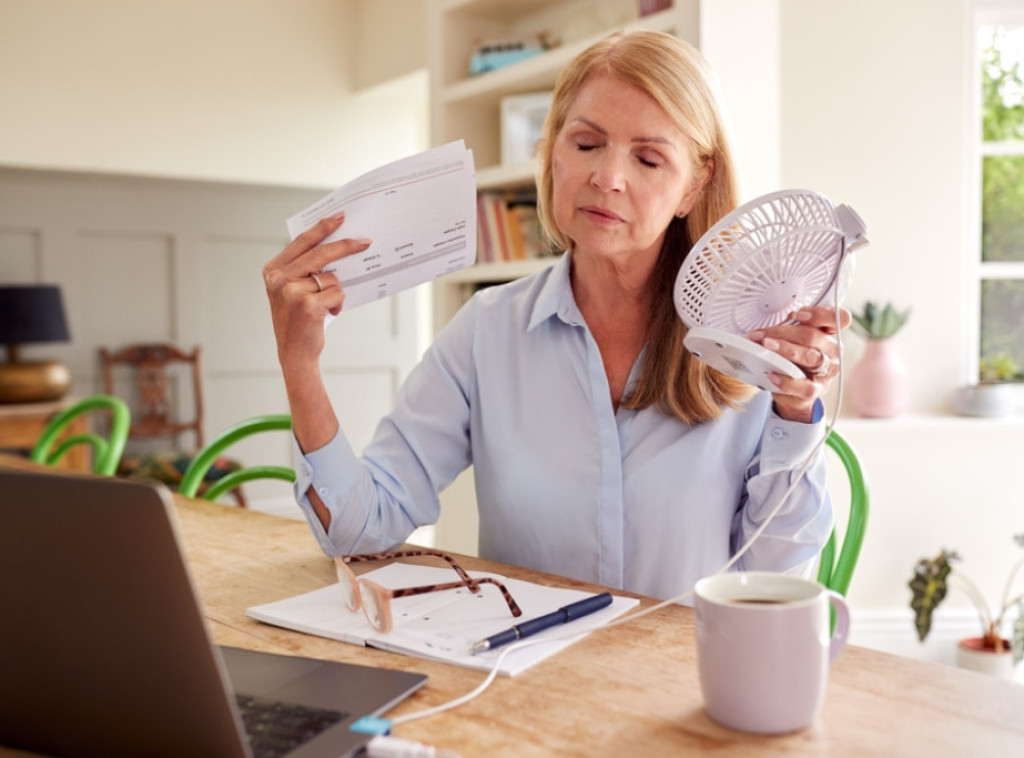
301 296
299 304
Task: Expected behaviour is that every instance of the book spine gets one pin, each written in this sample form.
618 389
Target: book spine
485 252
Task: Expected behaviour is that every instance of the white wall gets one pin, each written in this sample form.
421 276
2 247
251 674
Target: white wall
239 94
876 106
875 101
236 90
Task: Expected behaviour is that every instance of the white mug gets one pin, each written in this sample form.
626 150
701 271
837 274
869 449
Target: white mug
764 648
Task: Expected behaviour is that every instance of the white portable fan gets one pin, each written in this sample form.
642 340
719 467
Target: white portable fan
768 258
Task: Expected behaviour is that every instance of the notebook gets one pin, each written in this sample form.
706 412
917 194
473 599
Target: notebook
104 650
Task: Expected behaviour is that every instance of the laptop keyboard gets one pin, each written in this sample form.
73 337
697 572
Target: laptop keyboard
275 728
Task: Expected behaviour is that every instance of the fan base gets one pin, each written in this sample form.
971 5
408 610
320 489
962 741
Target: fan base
739 357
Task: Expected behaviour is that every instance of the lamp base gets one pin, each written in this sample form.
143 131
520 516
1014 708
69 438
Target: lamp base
33 381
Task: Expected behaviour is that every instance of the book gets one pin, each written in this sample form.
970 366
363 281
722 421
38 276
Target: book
516 243
442 626
499 225
485 251
535 242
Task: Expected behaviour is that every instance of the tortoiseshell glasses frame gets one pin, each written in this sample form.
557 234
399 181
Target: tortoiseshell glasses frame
375 600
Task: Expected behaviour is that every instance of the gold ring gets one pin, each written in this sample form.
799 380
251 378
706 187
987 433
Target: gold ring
319 284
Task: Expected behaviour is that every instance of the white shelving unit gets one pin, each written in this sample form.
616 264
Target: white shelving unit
468 107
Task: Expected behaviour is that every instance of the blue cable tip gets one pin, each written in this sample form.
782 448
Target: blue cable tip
372 725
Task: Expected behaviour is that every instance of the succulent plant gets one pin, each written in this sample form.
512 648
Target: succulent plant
879 323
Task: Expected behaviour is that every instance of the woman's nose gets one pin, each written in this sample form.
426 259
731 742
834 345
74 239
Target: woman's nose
608 172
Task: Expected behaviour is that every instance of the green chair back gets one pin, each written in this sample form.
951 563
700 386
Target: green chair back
106 453
193 477
835 572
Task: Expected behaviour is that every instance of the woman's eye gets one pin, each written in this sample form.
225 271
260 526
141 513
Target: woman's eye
649 161
584 146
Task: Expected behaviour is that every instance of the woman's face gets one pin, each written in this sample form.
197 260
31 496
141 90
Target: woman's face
621 170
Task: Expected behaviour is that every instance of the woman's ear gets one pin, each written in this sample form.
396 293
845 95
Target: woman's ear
700 181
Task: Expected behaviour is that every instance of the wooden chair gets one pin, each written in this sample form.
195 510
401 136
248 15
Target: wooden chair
162 439
190 483
106 451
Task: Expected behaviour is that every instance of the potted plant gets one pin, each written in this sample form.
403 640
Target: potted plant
991 651
879 383
1001 367
874 323
993 395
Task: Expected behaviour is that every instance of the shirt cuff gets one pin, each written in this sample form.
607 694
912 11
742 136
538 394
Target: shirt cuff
817 410
784 441
331 471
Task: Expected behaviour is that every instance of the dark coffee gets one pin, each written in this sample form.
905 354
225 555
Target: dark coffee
759 600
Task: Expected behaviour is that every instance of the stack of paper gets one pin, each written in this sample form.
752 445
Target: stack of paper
441 625
420 213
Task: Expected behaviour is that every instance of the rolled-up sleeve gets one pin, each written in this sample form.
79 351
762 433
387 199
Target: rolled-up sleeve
791 542
331 471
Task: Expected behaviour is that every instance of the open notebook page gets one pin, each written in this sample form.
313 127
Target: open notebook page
440 625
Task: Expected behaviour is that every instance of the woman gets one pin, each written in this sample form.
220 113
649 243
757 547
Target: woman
602 449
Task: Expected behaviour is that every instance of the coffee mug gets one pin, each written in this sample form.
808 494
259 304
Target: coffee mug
764 648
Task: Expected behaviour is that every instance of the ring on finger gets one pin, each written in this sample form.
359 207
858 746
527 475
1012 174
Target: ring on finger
823 367
319 284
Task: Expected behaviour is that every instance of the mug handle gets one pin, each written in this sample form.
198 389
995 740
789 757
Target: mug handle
842 625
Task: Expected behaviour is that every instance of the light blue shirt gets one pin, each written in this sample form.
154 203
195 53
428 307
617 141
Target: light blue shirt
634 500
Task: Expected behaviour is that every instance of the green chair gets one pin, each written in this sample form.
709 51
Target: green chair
834 571
194 475
106 452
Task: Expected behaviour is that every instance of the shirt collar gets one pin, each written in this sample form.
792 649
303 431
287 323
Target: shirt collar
556 298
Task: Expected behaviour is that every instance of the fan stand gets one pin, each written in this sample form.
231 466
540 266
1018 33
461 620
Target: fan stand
739 357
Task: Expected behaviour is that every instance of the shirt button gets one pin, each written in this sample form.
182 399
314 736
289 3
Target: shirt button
778 433
322 491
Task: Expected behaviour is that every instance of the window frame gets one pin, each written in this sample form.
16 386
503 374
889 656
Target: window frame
987 13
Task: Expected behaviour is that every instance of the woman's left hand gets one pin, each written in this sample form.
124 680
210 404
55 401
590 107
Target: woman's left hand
812 345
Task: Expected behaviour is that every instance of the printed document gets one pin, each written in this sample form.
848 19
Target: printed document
420 213
442 625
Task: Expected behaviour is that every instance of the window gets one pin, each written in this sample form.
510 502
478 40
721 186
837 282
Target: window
1000 46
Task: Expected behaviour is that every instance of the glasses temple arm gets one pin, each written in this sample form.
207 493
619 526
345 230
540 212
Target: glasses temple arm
512 605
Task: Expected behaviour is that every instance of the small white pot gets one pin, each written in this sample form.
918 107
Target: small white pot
984 400
970 654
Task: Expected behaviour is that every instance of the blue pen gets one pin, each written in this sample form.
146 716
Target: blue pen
562 616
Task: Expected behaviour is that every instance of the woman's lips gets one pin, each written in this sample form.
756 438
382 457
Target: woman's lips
601 215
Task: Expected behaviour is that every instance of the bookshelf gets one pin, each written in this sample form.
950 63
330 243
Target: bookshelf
469 107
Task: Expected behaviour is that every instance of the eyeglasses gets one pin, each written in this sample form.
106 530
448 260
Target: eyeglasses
376 600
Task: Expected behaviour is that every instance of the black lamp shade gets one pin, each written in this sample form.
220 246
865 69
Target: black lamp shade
32 313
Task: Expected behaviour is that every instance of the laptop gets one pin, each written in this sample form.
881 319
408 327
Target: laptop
104 650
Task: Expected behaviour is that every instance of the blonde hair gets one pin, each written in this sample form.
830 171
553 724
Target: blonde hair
676 77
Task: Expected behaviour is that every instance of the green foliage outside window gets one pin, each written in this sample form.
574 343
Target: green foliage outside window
1002 300
1002 88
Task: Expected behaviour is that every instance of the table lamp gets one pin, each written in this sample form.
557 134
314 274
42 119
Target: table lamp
31 313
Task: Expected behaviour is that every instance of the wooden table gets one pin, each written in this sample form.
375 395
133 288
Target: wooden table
632 690
21 425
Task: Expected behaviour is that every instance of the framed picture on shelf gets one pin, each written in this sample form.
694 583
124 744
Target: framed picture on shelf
522 118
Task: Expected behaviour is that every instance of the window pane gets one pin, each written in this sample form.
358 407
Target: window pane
1002 81
1002 208
1002 320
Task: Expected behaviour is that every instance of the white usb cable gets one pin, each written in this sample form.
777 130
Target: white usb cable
417 750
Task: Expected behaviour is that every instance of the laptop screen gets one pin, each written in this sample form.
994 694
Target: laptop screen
104 649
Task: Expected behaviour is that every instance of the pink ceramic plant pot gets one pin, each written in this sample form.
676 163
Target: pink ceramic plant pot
879 383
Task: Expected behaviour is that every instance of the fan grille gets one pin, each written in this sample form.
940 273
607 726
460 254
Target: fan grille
761 262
